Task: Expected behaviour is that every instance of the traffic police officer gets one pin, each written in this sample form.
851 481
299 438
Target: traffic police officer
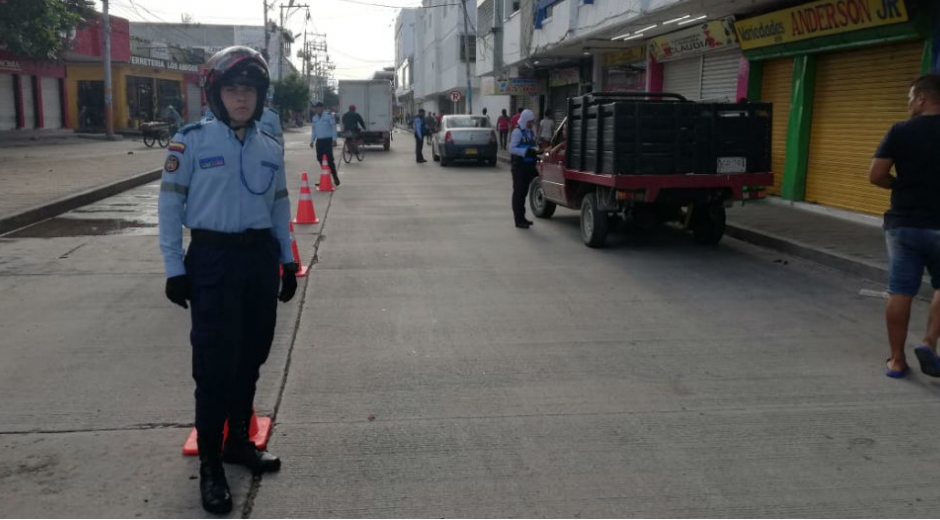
323 136
224 180
523 153
271 123
420 130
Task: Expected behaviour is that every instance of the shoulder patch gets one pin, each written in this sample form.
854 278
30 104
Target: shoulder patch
172 164
176 146
275 111
190 127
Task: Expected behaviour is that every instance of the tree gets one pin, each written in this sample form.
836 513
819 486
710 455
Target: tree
39 29
331 98
292 94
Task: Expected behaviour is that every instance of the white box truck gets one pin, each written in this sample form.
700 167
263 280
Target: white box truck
373 100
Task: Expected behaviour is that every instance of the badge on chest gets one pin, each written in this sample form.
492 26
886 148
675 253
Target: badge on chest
211 162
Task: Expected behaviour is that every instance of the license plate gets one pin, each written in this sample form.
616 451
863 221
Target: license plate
732 164
470 151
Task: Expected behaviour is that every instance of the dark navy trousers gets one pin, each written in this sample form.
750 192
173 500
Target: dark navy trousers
234 310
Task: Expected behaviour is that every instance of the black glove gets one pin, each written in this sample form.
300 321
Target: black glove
288 284
178 291
532 153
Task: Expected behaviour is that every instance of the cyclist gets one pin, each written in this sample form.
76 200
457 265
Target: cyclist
351 123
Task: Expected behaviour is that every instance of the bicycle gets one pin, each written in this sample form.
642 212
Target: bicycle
352 146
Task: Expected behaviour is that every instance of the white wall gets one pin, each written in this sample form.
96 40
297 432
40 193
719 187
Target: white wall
587 20
493 105
512 53
405 35
485 64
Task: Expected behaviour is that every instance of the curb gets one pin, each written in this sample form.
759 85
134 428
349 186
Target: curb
57 207
831 259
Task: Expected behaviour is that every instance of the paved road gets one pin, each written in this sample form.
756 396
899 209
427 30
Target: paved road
443 363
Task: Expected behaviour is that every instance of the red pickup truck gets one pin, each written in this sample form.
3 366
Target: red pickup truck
651 158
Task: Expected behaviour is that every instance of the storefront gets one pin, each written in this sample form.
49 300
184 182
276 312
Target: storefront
701 62
849 75
624 70
31 94
562 84
142 90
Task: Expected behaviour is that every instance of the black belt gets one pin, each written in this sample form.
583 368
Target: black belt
248 237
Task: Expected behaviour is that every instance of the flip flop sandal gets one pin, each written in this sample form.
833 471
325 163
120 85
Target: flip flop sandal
929 362
896 374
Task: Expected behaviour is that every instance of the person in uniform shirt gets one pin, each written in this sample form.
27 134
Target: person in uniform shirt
420 131
224 180
323 136
523 153
271 123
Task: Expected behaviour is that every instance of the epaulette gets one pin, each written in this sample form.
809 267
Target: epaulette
272 110
190 127
269 134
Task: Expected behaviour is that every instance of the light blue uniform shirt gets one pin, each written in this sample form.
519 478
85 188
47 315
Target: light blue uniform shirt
517 146
324 127
271 123
212 181
419 127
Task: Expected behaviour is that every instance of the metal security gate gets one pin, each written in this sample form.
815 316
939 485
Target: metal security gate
193 102
777 88
859 95
720 76
29 106
7 103
51 103
683 77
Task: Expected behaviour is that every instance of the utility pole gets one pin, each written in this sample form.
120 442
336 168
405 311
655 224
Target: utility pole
267 34
466 52
108 107
280 55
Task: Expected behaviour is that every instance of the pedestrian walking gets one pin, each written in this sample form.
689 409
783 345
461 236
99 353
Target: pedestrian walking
224 180
912 223
489 122
420 129
546 129
523 153
430 125
502 125
323 136
514 120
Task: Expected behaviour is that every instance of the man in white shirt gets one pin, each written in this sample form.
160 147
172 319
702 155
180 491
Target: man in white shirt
546 129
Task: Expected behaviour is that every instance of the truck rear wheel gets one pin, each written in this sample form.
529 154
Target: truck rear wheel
594 222
708 223
541 207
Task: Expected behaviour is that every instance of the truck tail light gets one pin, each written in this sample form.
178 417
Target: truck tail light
448 138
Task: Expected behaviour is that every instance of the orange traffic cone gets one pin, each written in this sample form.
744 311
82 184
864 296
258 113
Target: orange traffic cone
305 212
326 179
259 431
302 269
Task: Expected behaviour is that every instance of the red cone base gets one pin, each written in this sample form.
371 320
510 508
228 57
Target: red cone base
259 432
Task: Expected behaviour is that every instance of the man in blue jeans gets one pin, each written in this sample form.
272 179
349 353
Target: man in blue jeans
912 224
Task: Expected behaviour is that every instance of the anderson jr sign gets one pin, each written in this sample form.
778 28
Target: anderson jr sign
815 19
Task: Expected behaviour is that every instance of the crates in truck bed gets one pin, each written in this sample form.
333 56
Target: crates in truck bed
625 135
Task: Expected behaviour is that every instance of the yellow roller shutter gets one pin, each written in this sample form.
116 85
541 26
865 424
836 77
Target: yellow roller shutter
776 88
859 95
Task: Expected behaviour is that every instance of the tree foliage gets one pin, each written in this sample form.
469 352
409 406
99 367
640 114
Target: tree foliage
292 94
39 29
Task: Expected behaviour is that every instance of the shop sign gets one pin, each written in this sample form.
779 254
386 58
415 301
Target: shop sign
816 19
516 87
562 77
625 57
10 64
709 36
162 64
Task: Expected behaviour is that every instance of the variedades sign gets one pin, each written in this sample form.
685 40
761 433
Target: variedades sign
822 18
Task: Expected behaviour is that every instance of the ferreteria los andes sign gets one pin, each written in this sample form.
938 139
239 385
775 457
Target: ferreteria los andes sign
822 18
163 64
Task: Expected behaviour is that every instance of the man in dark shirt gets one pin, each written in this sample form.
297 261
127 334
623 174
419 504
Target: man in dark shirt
912 224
